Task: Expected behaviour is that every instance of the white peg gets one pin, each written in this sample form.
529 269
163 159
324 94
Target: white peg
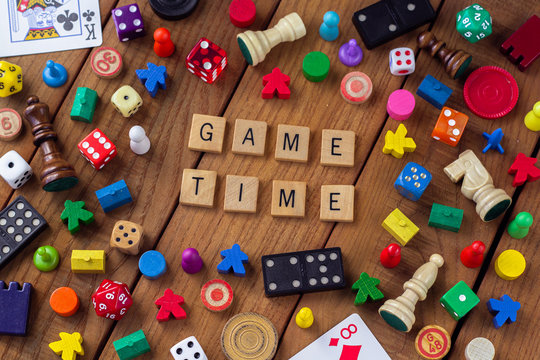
139 142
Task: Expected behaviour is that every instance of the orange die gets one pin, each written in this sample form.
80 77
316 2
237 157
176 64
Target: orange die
450 126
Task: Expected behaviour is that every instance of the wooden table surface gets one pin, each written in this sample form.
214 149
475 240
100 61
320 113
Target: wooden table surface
155 180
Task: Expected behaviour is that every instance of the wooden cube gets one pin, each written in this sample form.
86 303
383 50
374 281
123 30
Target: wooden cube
288 198
241 194
249 137
207 133
337 203
126 237
198 187
292 143
337 148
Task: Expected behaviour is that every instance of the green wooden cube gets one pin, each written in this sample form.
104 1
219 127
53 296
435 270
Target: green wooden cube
459 300
131 346
84 105
445 217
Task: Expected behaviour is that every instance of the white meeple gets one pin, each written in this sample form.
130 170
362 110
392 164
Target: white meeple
139 142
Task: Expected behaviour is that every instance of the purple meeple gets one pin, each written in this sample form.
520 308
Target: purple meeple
129 22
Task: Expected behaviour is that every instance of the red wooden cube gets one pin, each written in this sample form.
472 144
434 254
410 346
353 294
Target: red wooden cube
97 149
206 60
112 299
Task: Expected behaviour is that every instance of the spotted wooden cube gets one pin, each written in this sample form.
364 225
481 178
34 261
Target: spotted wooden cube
206 60
126 101
126 237
129 22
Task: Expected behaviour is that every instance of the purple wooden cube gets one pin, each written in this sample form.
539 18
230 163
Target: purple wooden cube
129 22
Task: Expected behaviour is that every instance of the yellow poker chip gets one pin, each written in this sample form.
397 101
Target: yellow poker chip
432 342
217 295
10 124
249 336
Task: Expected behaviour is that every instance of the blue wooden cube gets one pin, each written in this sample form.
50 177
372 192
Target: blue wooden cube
434 91
113 196
412 181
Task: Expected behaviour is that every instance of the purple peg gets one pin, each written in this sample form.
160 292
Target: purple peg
191 261
350 54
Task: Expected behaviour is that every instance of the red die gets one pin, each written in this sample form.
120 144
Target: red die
112 299
206 60
97 149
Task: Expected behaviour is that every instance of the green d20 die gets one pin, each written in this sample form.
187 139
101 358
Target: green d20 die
459 300
473 23
445 217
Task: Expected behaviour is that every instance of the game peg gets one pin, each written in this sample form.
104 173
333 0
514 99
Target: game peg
163 46
304 318
532 119
399 312
57 174
519 227
54 74
455 62
46 258
473 255
329 28
191 261
255 45
138 141
391 256
350 53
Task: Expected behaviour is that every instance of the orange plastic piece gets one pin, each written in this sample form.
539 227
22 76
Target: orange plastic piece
64 301
450 126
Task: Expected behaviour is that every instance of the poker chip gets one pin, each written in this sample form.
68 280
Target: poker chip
173 9
242 13
432 342
490 92
10 124
356 87
217 295
106 62
249 336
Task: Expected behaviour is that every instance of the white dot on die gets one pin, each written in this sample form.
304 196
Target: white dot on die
411 6
96 156
118 12
455 132
122 26
272 286
107 146
323 269
296 283
293 260
452 122
392 27
312 281
204 44
321 257
132 8
447 112
270 263
136 22
324 280
362 17
97 135
207 65
90 150
85 145
102 140
462 297
437 138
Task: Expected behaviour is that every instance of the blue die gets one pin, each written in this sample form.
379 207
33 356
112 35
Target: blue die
434 91
412 181
113 196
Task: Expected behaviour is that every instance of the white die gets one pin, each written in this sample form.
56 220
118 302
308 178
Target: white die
14 169
188 349
402 61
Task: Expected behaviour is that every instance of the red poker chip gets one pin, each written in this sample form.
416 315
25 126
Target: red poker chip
217 295
356 87
490 92
242 13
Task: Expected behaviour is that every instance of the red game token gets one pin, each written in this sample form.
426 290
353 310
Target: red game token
432 342
217 295
106 62
242 13
490 92
356 87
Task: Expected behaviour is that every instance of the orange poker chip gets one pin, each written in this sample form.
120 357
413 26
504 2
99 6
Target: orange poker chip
217 295
432 342
356 87
106 62
64 301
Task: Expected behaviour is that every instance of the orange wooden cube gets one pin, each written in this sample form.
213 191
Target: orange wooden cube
450 126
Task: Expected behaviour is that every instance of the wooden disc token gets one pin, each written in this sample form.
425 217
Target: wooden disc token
432 342
217 295
249 336
10 124
510 265
64 301
106 62
480 349
356 87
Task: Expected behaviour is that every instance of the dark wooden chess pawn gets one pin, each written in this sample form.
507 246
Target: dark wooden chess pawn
57 173
455 62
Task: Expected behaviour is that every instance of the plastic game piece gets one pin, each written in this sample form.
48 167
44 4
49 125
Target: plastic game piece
400 104
188 348
54 74
521 47
445 217
206 60
399 312
15 308
138 141
128 22
434 91
350 53
450 126
524 170
106 62
84 105
217 295
57 174
131 346
12 79
473 255
505 310
397 144
303 271
474 23
173 9
127 237
64 301
480 349
207 133
459 300
366 287
242 13
412 181
192 262
112 299
386 20
73 213
198 187
88 261
14 169
432 342
337 203
97 149
292 143
276 83
519 227
15 234
490 92
329 30
455 62
316 66
400 227
356 87
510 264
532 119
261 343
113 196
153 78
494 141
233 259
126 101
152 264
256 45
401 61
69 346
241 194
46 258
169 304
478 186
163 46
304 318
10 124
391 256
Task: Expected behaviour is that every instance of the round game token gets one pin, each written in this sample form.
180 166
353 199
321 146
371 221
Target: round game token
10 124
217 295
173 9
242 13
480 349
510 265
490 92
152 264
64 301
249 336
400 105
106 62
316 66
356 87
432 342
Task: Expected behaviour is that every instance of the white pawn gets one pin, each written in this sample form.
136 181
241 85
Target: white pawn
139 142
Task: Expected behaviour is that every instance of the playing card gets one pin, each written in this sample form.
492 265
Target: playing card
349 340
38 26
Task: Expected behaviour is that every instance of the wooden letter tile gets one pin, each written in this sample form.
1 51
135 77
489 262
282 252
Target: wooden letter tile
337 203
241 194
207 133
249 137
198 187
292 143
288 198
337 148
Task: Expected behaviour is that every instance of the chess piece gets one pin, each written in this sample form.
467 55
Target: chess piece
329 28
391 256
54 74
473 255
139 142
519 227
57 174
455 62
191 261
532 119
163 46
478 186
256 44
350 53
399 312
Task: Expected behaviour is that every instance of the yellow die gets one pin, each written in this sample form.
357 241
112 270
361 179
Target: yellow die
11 79
126 100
